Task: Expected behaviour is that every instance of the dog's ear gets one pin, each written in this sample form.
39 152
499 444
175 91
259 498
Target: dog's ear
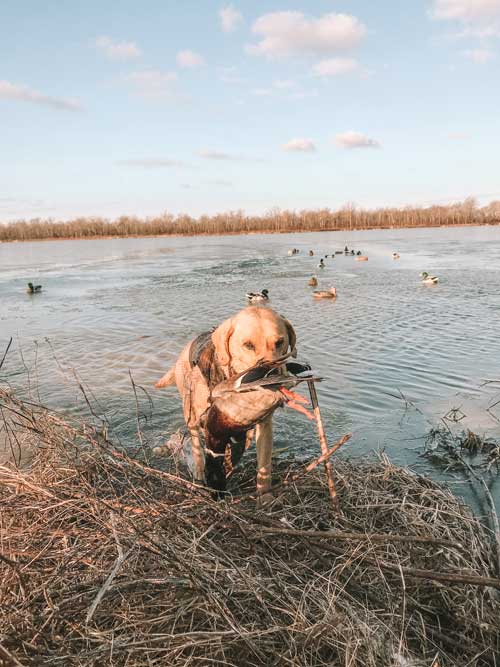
220 339
292 337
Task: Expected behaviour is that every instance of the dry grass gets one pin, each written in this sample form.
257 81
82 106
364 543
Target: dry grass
107 561
237 222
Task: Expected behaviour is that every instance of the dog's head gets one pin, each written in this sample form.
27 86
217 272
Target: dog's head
253 334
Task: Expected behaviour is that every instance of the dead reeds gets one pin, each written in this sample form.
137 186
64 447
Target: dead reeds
106 560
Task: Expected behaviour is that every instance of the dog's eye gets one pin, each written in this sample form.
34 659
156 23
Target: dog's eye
279 343
249 345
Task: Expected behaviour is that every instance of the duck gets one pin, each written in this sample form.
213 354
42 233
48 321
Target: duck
395 255
359 252
311 253
429 280
353 253
325 294
321 264
277 377
33 289
313 281
338 252
361 258
258 297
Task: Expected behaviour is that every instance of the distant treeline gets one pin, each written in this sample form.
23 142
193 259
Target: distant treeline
236 222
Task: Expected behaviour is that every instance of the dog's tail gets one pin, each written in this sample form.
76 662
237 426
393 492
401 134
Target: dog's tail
167 380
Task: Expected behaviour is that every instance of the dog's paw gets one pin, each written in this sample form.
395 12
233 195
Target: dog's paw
265 499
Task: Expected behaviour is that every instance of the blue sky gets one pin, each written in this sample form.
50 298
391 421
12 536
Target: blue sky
121 107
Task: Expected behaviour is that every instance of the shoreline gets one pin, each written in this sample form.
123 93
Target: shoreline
245 232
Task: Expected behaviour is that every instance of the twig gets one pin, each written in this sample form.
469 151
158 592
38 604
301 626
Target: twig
324 447
6 352
8 659
121 557
369 537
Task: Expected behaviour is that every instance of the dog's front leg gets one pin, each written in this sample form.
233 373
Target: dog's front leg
198 456
264 444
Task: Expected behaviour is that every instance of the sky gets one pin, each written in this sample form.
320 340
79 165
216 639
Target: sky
140 108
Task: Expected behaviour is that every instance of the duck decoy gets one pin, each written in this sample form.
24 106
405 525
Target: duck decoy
258 297
359 252
321 264
395 255
362 258
353 253
313 281
311 253
33 289
325 294
428 280
339 252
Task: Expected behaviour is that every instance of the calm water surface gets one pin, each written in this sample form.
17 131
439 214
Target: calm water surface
113 306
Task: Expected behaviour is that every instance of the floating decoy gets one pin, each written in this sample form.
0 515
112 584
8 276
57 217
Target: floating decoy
33 289
325 294
258 297
429 280
321 264
353 253
311 253
362 258
339 252
313 281
359 252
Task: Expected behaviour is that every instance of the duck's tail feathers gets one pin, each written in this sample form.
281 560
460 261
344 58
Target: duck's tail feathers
167 380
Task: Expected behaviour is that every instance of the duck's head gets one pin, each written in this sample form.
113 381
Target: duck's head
424 275
265 292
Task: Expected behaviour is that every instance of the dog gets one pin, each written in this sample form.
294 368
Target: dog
255 333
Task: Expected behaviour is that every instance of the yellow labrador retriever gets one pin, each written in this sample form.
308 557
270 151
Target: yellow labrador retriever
255 333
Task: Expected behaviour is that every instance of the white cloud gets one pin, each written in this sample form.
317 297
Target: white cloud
151 163
13 91
262 92
300 145
291 33
465 10
117 50
230 18
284 84
229 75
479 56
216 155
334 67
355 140
189 58
152 83
209 154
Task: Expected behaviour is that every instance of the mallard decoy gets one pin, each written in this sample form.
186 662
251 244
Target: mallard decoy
33 289
428 280
258 297
353 253
321 264
362 258
325 294
395 255
359 252
313 281
311 253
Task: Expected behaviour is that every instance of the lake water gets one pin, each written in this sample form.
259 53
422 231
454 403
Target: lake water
113 306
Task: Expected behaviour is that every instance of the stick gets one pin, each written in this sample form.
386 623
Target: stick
324 446
331 451
121 557
371 537
8 659
6 351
